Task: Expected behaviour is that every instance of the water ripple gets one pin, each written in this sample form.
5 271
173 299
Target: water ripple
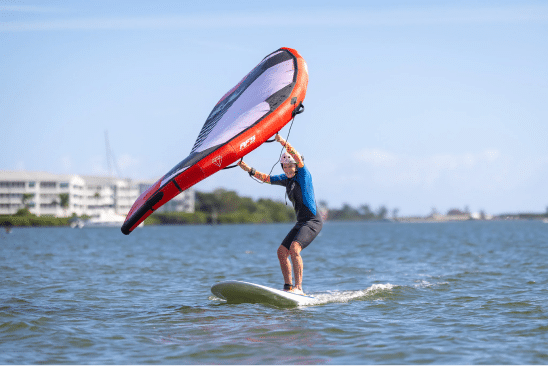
459 293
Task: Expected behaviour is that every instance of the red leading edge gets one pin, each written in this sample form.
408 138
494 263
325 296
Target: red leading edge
187 175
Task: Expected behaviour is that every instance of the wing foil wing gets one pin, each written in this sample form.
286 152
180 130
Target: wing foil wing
245 117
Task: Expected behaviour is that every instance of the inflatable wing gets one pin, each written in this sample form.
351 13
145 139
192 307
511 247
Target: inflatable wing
249 114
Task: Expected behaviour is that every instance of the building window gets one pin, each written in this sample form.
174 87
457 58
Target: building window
17 196
32 184
48 184
5 184
63 185
49 205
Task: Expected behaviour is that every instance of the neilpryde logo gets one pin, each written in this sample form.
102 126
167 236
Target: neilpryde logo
247 142
218 161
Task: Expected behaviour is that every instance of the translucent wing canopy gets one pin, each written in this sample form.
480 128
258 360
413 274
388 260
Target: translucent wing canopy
246 116
260 92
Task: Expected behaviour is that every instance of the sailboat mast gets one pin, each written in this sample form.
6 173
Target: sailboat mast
111 160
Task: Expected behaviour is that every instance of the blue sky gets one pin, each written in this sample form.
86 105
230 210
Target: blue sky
412 105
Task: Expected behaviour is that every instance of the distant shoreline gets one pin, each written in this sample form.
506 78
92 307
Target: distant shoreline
11 221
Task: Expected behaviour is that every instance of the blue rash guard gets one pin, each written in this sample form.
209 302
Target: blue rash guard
300 191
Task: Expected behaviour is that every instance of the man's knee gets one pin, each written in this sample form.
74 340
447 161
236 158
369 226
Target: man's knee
283 252
295 249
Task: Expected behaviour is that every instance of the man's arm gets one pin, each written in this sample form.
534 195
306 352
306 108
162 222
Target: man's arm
253 173
291 150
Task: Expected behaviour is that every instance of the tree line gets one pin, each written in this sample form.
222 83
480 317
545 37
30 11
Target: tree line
218 207
361 213
227 207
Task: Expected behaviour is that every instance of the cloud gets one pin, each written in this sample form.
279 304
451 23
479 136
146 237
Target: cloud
126 161
29 9
485 171
320 17
97 165
376 157
487 179
20 165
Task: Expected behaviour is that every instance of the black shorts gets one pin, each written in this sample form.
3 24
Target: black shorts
303 233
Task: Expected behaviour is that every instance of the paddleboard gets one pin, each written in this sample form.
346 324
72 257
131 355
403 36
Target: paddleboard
246 292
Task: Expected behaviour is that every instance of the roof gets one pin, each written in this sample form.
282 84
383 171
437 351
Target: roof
38 176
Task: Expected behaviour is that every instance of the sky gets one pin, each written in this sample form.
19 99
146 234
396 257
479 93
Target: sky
413 106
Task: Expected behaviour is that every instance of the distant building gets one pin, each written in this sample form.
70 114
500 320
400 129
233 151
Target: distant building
450 217
87 195
109 194
184 202
45 189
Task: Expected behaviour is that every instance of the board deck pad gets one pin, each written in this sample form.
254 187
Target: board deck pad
246 292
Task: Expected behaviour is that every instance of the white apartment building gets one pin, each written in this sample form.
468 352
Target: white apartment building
43 190
109 194
87 195
184 202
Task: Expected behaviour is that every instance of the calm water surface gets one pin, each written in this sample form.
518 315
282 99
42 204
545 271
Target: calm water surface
448 293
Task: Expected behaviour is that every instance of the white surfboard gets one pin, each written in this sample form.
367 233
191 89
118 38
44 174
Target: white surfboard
245 292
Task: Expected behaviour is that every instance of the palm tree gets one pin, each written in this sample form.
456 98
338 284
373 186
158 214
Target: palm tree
25 199
97 195
64 198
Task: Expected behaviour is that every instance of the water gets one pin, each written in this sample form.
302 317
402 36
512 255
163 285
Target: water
448 293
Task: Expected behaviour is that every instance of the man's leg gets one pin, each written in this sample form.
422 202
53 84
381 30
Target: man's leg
283 256
296 259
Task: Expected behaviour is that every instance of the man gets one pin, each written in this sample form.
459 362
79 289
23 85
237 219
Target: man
297 181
